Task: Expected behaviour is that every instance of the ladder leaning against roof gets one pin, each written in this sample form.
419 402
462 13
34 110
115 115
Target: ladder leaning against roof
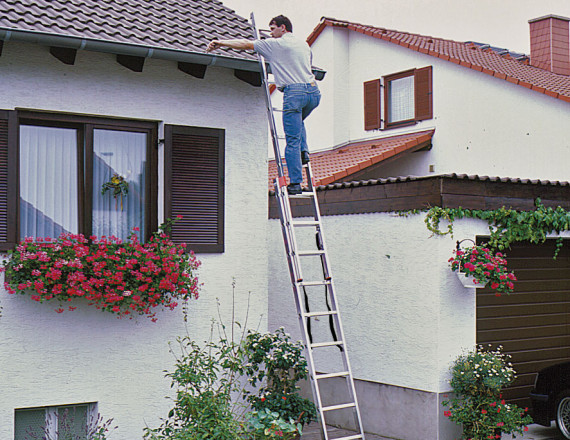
290 224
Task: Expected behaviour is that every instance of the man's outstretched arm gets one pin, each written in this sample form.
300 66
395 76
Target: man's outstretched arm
232 44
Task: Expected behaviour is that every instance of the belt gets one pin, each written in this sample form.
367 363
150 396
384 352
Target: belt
312 83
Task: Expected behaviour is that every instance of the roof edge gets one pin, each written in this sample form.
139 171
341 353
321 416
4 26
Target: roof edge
81 43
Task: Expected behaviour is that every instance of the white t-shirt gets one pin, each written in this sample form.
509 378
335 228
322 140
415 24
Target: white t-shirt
290 59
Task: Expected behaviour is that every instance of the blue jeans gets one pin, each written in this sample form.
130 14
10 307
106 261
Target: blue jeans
299 101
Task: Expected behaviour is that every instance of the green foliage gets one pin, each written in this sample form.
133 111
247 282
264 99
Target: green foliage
205 378
208 377
477 379
506 226
267 424
274 364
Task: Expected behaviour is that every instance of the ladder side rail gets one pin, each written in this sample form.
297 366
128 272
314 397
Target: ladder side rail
269 106
332 297
288 234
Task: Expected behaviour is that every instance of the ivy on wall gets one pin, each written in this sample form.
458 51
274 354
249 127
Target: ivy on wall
506 226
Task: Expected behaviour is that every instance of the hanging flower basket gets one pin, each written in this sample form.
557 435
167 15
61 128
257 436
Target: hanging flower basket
469 281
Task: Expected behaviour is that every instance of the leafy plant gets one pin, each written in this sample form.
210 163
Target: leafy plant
506 226
267 424
486 267
204 378
274 364
114 276
477 379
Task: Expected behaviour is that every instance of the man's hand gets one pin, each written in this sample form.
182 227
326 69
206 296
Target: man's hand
232 44
214 44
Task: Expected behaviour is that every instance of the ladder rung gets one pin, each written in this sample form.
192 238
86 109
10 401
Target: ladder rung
341 406
326 344
306 223
310 253
350 437
315 283
312 314
304 194
331 375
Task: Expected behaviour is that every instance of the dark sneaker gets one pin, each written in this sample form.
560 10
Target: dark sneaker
304 157
294 189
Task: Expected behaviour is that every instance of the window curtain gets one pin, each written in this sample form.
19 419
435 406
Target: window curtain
124 154
401 106
48 181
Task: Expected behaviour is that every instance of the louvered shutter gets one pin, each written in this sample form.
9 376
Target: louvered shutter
372 114
194 186
8 179
423 93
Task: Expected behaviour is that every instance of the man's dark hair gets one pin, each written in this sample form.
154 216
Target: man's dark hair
282 20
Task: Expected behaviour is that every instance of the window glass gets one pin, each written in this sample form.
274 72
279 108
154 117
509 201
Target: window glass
48 181
120 155
401 99
29 423
72 423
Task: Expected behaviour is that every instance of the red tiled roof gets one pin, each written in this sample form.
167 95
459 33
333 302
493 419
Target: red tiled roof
341 162
467 54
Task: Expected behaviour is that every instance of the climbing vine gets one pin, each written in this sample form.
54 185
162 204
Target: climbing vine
506 226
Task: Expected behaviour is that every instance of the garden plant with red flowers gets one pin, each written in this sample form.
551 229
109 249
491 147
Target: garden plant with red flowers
485 266
125 278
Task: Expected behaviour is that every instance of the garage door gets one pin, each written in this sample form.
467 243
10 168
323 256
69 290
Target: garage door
532 324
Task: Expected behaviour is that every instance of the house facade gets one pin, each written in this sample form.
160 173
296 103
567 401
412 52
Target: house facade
89 90
408 122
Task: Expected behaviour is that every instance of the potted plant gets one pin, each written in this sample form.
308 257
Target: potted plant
483 268
477 378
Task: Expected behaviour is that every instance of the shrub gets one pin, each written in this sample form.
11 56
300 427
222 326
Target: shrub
477 379
275 365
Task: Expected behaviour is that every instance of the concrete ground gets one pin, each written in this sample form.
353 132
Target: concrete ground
535 432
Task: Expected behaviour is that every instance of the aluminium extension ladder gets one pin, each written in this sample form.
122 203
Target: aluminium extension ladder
289 226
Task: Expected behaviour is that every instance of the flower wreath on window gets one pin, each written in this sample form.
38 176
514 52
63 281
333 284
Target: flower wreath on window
118 185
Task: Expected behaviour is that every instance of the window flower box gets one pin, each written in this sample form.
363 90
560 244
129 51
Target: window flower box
124 278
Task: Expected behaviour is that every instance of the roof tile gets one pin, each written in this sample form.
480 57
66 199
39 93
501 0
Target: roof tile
498 63
167 24
337 163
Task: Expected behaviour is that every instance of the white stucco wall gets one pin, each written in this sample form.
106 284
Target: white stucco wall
87 356
484 125
405 315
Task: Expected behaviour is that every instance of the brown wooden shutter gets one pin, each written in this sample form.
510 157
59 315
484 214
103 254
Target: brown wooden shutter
8 179
372 113
194 186
423 93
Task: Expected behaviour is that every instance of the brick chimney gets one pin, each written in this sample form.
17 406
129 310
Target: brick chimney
550 44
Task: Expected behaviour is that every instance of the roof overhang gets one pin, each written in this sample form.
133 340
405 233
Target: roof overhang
95 45
134 50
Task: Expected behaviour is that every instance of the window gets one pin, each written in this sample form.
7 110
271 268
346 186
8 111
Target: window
63 164
53 167
407 99
55 422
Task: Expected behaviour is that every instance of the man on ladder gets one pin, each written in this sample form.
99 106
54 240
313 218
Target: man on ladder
290 60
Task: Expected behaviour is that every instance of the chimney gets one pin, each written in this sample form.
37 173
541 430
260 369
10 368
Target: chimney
550 44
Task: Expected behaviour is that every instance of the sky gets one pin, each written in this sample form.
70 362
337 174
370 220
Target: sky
501 23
